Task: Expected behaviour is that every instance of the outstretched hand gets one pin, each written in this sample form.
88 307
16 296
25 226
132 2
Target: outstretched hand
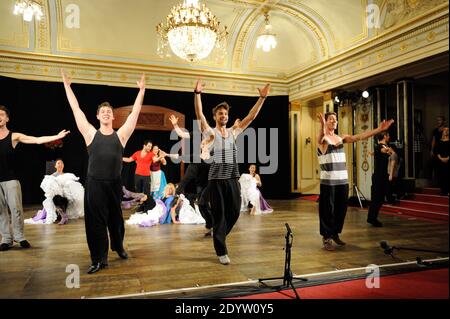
141 82
384 125
63 133
321 119
173 119
67 81
199 86
264 91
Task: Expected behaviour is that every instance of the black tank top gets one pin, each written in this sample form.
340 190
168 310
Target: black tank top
105 157
7 172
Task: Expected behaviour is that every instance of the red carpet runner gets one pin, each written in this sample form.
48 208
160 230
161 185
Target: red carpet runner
427 284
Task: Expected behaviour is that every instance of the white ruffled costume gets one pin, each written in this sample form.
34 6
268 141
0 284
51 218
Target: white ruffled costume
187 214
251 194
65 185
151 217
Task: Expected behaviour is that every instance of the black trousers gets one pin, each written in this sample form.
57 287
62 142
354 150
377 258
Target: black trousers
197 173
103 213
332 209
142 184
392 192
225 198
380 186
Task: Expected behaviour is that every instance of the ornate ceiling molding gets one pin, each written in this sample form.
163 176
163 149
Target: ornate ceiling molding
382 55
242 42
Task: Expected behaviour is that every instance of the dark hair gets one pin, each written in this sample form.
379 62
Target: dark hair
104 104
328 114
382 135
5 109
223 105
148 141
59 159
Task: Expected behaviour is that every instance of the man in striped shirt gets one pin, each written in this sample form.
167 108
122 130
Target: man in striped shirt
223 185
334 176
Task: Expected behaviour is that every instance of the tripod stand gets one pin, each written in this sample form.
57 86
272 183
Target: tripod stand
288 277
359 195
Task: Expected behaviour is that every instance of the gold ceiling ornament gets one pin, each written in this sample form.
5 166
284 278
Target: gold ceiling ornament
28 9
266 40
192 32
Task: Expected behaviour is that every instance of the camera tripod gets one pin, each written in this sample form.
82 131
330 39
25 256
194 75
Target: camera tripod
288 277
360 195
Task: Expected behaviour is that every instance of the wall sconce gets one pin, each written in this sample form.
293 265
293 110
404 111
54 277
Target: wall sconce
308 140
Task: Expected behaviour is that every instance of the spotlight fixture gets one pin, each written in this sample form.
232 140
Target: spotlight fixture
336 99
365 94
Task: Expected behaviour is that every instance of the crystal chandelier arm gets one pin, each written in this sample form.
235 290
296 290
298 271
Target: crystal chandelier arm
128 127
199 107
254 111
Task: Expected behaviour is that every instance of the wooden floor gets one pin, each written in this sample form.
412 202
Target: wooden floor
169 257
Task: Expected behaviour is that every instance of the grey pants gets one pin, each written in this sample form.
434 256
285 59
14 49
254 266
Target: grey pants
11 196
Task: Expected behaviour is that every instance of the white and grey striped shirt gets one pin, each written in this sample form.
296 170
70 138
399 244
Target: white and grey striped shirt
224 157
333 168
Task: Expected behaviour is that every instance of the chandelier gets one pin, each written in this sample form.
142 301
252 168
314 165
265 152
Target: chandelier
266 40
29 9
192 32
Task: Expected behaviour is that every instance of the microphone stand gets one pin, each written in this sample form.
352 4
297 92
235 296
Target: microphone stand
388 250
288 277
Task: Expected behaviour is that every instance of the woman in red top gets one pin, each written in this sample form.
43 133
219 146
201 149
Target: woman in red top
143 159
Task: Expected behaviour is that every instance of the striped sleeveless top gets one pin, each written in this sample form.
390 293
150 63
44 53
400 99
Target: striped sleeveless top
333 168
224 157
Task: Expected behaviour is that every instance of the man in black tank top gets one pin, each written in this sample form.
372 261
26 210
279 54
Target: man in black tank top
103 188
223 186
10 190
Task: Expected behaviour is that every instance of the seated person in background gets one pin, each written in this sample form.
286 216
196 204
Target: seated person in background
250 193
64 198
159 214
146 203
130 199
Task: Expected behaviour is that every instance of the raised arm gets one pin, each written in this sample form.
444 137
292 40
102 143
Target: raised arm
322 129
163 154
85 128
128 127
26 139
180 132
255 109
199 107
384 126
